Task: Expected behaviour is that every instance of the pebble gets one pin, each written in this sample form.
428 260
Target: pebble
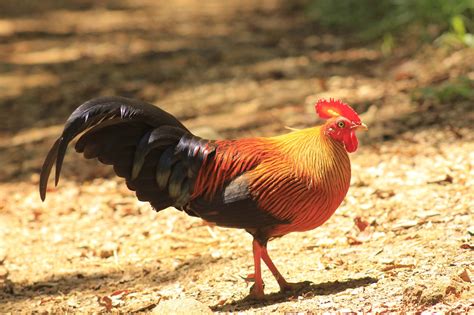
108 249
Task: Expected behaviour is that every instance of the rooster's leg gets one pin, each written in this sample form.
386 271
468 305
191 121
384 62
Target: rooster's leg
284 285
256 291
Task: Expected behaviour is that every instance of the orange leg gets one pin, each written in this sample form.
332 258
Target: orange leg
256 291
284 285
260 253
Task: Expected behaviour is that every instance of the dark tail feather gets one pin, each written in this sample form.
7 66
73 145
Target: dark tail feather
99 116
46 169
158 157
159 137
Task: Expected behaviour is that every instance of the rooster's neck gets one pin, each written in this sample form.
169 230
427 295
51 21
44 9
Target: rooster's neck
320 159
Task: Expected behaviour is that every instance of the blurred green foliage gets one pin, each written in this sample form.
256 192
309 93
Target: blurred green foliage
447 92
383 19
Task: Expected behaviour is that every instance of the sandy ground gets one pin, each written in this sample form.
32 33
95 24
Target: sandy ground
401 241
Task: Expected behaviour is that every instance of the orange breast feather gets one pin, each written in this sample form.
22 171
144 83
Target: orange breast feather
301 177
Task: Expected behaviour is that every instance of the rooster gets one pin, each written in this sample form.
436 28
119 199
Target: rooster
267 186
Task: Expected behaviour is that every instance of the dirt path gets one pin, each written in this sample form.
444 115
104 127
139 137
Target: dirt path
231 70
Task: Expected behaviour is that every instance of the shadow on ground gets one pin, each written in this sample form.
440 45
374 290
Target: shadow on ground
308 290
60 284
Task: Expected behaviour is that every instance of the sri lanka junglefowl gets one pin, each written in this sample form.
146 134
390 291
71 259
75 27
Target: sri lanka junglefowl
267 186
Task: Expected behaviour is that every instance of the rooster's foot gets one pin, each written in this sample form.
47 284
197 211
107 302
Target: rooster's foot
256 293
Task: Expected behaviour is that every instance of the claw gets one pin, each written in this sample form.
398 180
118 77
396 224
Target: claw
256 292
250 278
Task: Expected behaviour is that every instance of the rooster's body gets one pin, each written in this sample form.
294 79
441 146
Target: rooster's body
267 186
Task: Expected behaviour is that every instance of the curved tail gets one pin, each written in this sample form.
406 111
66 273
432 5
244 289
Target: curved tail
142 142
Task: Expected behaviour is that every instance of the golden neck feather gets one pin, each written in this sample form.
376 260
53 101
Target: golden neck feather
316 156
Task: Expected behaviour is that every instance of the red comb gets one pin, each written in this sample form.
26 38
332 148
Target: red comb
335 108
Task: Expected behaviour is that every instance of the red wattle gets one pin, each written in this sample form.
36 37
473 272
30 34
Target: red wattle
350 142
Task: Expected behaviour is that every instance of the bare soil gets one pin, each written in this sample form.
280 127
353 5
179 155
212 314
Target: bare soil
401 241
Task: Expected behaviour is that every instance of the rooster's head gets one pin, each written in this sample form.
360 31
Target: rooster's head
342 122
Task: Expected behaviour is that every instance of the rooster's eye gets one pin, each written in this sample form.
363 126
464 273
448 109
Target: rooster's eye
341 124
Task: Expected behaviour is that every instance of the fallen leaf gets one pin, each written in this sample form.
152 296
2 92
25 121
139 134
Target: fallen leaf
361 223
106 302
353 240
467 246
452 290
120 292
465 276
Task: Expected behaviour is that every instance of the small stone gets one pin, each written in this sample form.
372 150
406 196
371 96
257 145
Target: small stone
404 224
108 249
181 306
216 254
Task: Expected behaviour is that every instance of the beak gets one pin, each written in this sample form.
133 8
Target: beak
362 127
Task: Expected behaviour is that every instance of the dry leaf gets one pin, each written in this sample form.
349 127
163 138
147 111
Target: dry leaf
352 240
361 223
465 276
106 302
121 293
467 246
